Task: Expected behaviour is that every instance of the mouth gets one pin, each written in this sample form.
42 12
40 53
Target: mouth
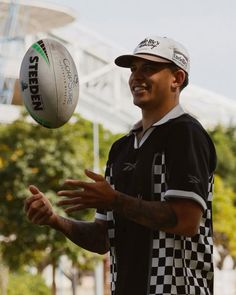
138 89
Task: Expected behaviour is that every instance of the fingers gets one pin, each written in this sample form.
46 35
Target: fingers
70 193
65 202
92 175
42 216
96 177
36 195
34 190
37 207
94 194
30 200
75 197
77 183
76 208
76 201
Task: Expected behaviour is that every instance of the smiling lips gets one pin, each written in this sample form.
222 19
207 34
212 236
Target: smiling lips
136 89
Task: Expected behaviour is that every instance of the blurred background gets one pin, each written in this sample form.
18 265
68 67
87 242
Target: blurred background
36 260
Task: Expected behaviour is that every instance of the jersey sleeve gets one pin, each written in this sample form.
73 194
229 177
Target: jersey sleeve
101 215
188 163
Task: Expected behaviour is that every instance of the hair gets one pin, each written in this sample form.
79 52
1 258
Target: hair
175 68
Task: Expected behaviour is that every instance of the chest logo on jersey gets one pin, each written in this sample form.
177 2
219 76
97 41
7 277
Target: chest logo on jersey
193 179
129 166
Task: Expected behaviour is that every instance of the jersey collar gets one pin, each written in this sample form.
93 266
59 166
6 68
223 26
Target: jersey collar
176 112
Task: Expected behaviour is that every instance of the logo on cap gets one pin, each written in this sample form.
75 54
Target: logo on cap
180 58
148 43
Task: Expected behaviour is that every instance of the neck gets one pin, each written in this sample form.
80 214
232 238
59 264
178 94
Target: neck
149 117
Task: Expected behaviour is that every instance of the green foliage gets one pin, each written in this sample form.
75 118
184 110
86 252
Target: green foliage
224 210
27 284
32 154
225 142
224 216
106 139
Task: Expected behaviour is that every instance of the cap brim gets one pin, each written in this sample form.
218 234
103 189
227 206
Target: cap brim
126 61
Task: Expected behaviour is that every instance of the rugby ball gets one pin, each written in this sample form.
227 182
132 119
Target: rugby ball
49 83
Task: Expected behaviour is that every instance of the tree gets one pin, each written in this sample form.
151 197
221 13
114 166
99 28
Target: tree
27 284
225 142
224 210
4 276
31 154
224 216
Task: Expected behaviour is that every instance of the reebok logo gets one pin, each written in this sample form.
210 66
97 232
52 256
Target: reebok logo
129 166
193 179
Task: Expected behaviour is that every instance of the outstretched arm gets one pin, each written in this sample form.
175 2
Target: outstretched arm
91 236
178 216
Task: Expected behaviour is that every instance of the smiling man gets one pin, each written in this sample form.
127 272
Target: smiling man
154 205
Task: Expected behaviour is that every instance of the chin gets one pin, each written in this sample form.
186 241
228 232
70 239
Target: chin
139 103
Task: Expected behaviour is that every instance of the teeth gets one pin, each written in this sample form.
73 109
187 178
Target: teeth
138 88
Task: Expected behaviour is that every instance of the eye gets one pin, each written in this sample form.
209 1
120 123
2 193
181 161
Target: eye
149 68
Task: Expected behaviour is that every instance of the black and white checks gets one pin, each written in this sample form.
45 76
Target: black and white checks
176 160
181 265
111 234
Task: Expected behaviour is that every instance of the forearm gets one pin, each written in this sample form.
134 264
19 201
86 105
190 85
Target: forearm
91 236
155 215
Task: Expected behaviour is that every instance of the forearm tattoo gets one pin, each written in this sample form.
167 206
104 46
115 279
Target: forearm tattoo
88 235
155 215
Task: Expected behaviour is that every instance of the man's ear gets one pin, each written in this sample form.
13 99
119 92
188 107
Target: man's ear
179 78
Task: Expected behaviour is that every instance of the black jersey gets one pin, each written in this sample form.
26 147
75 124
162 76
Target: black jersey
175 159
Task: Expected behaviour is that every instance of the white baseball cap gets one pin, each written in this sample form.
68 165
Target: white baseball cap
158 49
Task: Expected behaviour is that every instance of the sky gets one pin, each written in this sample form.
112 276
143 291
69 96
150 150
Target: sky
207 28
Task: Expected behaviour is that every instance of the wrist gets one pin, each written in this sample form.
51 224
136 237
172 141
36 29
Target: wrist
115 200
119 201
55 221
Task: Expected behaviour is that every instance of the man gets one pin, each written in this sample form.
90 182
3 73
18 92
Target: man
154 207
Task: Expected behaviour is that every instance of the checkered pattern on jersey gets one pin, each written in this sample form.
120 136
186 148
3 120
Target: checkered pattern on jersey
180 265
111 235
